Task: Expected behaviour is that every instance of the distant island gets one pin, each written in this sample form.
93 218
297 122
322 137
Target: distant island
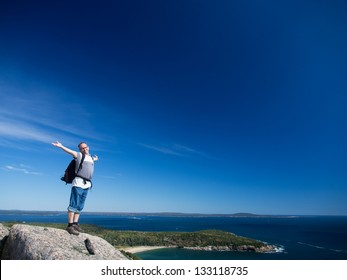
162 214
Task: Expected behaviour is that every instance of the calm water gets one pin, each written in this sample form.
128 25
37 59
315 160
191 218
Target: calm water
300 237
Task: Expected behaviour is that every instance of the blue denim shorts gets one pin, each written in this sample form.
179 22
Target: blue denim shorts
77 198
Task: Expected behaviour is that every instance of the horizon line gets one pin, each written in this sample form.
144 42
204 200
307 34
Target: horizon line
168 213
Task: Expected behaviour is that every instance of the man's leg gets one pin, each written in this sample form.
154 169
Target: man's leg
70 217
76 216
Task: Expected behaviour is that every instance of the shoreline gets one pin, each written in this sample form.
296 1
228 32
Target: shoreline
244 248
140 249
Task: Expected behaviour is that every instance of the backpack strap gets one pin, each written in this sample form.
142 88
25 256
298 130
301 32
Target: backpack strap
80 166
85 180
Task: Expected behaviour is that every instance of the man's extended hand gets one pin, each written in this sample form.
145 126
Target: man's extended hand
57 144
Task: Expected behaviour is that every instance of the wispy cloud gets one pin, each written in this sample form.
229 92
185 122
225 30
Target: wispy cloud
111 177
175 150
23 131
188 150
40 117
22 168
163 150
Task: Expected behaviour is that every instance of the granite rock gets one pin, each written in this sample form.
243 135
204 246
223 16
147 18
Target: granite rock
3 237
27 242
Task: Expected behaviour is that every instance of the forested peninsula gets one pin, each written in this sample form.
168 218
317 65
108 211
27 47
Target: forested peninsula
211 240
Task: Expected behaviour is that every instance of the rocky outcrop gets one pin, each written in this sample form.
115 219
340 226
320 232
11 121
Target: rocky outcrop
26 242
3 236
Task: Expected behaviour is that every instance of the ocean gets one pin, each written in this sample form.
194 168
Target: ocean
298 237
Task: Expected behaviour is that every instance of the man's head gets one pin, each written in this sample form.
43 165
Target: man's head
84 149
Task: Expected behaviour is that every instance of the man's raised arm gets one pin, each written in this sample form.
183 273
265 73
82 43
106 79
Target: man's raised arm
66 150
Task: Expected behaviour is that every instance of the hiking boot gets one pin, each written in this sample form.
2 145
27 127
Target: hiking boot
72 230
78 228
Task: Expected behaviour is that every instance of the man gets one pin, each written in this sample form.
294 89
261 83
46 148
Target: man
80 184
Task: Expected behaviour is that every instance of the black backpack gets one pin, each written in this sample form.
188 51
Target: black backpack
70 173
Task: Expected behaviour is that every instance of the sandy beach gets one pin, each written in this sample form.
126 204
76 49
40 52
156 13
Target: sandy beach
138 249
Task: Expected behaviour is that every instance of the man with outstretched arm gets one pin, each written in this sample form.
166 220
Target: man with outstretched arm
80 184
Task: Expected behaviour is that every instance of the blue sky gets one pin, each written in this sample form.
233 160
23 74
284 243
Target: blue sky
191 106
